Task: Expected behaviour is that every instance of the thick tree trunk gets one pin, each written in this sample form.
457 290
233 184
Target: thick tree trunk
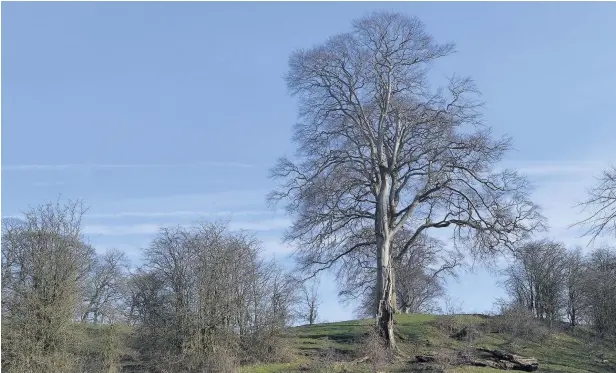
385 288
385 294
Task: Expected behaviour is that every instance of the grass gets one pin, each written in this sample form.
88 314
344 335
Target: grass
331 347
421 334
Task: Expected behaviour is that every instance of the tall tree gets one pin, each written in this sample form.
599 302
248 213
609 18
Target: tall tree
600 289
379 150
575 272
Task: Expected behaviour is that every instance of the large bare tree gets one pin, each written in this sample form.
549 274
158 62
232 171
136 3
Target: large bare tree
379 150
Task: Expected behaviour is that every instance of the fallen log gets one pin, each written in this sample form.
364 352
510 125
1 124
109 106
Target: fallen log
511 361
500 364
425 358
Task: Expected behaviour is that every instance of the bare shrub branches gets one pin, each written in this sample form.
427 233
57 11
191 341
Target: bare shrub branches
205 288
44 260
421 270
537 279
552 284
601 203
105 288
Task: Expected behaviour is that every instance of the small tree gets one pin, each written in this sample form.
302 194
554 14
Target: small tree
310 302
105 287
419 274
537 279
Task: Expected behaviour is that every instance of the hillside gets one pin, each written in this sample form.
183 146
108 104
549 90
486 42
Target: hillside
429 334
338 347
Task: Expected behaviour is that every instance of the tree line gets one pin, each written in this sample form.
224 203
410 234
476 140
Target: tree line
203 295
555 284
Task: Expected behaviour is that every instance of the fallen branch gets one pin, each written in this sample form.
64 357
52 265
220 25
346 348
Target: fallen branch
507 361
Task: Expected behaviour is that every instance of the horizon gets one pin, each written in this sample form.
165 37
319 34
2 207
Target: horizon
157 120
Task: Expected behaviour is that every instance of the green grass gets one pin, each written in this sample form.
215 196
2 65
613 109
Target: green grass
272 368
419 334
416 334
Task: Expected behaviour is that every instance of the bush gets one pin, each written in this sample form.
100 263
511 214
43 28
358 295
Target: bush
372 347
520 323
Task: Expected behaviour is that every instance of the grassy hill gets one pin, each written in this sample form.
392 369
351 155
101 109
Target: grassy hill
332 347
338 347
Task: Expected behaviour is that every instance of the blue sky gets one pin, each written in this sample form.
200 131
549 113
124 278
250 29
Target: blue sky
161 113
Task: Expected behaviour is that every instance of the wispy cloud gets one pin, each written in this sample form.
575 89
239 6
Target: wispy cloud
153 228
94 166
181 213
47 183
229 200
123 230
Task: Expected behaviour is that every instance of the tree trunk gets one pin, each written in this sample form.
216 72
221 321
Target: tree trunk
385 276
385 293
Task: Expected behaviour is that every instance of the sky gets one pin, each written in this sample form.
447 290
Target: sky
159 114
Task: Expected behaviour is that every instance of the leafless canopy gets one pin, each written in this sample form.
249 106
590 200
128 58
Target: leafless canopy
373 131
601 202
537 279
380 151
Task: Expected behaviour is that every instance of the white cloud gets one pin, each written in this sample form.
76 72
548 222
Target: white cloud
151 228
216 201
91 166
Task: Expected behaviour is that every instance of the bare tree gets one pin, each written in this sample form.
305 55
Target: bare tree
148 299
419 274
172 257
601 202
379 151
105 287
600 290
575 272
44 260
537 279
310 302
205 289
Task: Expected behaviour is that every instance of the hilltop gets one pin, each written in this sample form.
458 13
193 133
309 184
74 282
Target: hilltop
335 347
